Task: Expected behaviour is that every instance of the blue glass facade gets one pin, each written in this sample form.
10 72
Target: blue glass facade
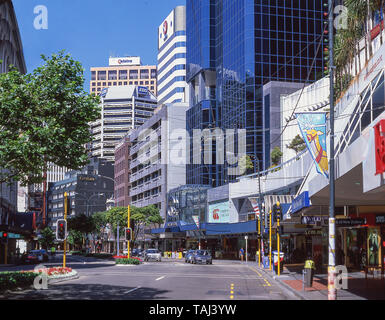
234 47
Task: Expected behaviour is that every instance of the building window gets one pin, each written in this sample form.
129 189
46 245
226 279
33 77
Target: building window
112 75
102 75
122 74
93 75
141 82
114 83
133 74
104 84
109 83
125 83
136 82
153 73
144 74
146 82
120 83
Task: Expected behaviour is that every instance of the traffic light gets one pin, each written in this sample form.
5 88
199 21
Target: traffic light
128 234
277 212
61 229
4 237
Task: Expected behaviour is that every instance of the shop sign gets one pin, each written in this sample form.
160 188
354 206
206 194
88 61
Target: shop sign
311 219
313 232
86 178
379 137
219 212
350 222
302 201
380 219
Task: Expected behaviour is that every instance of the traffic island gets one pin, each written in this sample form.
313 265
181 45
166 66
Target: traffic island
128 261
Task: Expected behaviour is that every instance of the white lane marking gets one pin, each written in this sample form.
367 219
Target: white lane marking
132 290
160 278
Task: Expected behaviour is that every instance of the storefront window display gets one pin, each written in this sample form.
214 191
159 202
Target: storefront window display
374 248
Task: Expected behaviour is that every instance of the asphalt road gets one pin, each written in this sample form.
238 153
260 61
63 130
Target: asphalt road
166 280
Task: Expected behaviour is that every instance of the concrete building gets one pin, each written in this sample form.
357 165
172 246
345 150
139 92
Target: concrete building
123 71
157 154
172 86
273 92
123 108
88 191
122 173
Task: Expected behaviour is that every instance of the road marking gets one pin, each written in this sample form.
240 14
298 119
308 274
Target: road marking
132 290
160 278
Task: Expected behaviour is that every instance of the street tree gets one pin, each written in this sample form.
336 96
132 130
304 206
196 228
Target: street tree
83 224
75 238
44 119
47 238
276 155
297 144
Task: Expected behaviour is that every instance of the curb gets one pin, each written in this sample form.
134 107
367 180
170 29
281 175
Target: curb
55 280
281 283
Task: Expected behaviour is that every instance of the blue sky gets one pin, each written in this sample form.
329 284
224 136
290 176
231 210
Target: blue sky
92 30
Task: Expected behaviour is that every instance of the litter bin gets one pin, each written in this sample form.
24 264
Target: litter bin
309 273
275 261
308 277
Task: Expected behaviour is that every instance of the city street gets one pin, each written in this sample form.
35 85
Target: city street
166 280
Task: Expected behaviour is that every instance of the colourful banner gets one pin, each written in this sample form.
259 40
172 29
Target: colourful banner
313 129
254 203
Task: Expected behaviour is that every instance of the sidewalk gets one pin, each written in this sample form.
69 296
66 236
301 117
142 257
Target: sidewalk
358 288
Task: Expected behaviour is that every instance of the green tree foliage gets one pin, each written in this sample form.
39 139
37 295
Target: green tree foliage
246 165
75 238
44 119
82 224
276 156
47 238
297 144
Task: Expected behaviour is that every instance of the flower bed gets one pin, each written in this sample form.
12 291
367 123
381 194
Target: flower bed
128 261
125 257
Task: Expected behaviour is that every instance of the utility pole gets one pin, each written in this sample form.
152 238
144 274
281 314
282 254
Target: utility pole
278 248
270 213
117 239
65 218
332 292
128 226
260 213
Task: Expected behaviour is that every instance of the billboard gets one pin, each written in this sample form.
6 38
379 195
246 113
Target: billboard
124 61
166 29
219 212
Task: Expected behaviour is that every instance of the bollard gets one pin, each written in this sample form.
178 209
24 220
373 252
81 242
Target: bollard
180 255
303 280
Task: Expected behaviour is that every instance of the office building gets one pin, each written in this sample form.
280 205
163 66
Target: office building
122 173
123 71
172 86
88 191
155 154
233 49
123 108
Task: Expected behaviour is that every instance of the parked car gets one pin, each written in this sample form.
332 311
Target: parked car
136 252
188 256
153 254
35 257
202 256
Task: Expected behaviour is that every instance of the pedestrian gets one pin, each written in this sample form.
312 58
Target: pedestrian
241 253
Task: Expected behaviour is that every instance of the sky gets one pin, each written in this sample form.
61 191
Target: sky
92 30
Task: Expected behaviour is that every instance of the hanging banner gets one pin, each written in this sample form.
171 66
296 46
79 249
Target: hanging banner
254 203
313 129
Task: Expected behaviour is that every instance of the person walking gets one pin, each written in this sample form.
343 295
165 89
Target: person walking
241 253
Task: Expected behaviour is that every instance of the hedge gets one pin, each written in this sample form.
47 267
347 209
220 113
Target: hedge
127 261
12 280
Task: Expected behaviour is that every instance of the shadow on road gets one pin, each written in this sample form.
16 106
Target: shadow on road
88 292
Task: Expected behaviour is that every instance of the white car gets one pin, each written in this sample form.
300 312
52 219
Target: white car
152 254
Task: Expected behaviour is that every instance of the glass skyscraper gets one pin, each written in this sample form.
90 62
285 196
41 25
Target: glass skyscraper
234 47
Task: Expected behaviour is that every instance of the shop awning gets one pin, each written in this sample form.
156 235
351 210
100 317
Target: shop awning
230 228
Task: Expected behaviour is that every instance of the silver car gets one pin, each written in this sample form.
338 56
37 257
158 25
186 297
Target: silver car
152 254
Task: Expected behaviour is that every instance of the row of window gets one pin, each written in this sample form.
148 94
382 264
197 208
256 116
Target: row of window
151 88
123 74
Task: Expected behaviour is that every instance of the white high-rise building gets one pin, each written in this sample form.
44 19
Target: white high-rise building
171 73
123 108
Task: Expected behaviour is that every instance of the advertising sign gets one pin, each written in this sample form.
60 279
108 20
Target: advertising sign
142 91
124 61
300 202
219 212
313 129
379 136
350 222
166 29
